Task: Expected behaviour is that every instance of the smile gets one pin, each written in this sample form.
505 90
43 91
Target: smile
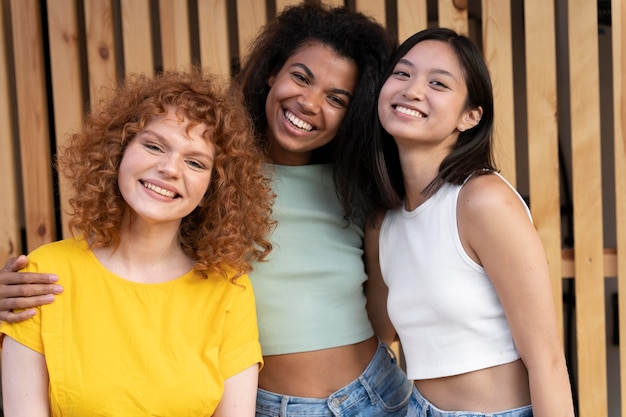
296 122
409 112
159 190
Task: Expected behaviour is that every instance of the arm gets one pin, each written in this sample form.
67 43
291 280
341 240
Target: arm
24 381
497 232
24 290
375 289
239 397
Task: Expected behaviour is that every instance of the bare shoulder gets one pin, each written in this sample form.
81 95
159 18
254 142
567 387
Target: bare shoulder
489 192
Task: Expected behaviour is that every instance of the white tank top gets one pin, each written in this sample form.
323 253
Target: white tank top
443 305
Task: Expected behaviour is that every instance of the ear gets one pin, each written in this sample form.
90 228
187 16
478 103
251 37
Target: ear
271 80
470 119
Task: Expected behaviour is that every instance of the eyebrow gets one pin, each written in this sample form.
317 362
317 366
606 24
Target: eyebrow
440 71
310 74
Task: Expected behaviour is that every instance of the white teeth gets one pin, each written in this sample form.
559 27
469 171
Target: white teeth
300 124
159 190
410 112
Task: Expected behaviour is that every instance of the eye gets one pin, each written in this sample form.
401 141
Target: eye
398 73
300 78
197 165
337 101
439 85
152 147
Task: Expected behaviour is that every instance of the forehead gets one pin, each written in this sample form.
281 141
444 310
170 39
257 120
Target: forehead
311 52
433 54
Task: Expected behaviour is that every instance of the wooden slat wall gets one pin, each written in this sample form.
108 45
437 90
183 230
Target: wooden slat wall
48 80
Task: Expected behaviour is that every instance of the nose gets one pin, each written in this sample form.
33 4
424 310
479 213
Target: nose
169 165
414 91
309 101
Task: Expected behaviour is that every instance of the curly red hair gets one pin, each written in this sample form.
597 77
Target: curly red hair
231 226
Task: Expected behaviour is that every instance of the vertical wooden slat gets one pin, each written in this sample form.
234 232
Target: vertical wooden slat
10 240
100 44
33 123
373 8
137 37
412 17
498 52
175 41
281 4
587 197
214 51
67 94
334 3
543 137
618 27
250 17
453 17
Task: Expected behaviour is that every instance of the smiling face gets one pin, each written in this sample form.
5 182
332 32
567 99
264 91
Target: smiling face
307 101
166 169
424 99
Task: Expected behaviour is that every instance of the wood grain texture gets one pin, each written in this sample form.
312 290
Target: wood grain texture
66 85
213 23
543 138
10 239
101 52
137 37
587 198
450 16
251 16
373 8
33 123
412 17
175 34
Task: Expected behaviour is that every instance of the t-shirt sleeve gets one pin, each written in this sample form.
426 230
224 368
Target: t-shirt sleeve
27 332
240 347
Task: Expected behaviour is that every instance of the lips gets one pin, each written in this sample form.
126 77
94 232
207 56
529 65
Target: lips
409 112
159 190
297 122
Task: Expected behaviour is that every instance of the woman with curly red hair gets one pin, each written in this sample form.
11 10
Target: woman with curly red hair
170 208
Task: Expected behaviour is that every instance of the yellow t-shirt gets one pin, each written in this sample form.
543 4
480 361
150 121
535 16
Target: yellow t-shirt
120 348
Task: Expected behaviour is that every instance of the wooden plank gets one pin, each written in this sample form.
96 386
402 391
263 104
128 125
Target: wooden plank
10 239
100 44
251 17
334 3
453 14
609 256
281 4
498 52
412 17
618 27
33 123
587 199
137 37
543 137
214 51
373 8
175 34
67 94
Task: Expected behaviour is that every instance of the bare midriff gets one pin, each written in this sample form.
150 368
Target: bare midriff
316 374
498 388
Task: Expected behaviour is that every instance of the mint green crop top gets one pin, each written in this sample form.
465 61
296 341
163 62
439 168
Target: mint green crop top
309 294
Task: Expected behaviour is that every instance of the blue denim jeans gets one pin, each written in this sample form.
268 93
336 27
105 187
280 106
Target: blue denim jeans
381 390
421 407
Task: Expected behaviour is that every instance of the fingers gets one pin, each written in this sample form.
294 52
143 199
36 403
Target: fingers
11 317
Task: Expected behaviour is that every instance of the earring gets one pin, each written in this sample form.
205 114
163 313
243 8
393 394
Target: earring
461 128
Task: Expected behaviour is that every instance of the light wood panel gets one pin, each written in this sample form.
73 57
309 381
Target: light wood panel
373 8
137 37
175 35
67 94
10 239
587 197
497 49
213 23
250 17
453 14
412 17
543 137
100 45
33 123
618 26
